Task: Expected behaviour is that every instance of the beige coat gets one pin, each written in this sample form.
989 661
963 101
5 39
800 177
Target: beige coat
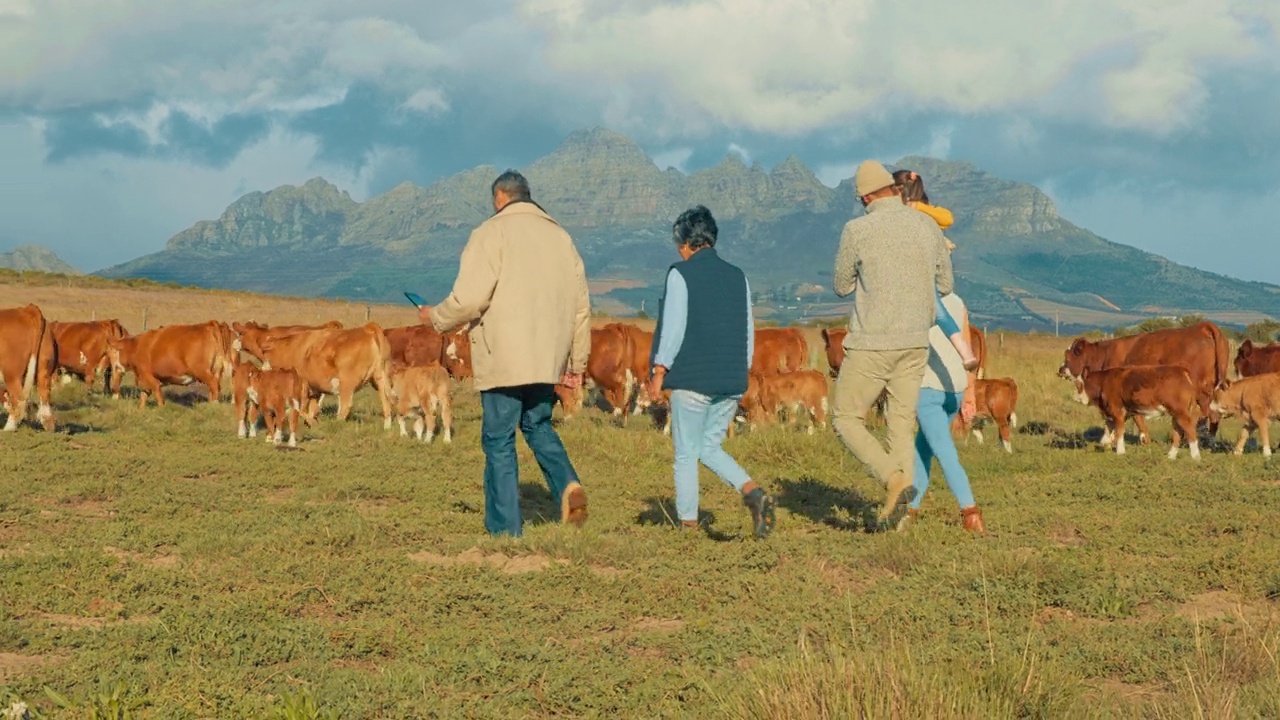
522 286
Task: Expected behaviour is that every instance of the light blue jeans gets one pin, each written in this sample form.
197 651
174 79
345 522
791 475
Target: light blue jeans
935 410
698 427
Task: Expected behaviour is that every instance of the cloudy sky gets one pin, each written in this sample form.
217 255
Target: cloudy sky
1154 123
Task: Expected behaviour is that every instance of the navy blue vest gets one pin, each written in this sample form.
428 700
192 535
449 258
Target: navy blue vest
713 355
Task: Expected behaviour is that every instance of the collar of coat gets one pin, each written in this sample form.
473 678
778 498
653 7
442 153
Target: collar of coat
524 207
893 202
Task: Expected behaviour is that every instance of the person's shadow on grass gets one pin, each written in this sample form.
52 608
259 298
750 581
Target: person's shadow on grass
814 499
662 511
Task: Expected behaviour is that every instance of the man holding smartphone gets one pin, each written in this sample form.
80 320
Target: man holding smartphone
522 288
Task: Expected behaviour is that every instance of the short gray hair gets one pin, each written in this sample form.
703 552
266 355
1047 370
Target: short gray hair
513 185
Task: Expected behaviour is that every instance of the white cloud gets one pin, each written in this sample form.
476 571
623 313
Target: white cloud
677 158
797 65
428 101
126 207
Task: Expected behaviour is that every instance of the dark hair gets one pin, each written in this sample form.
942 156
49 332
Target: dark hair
695 228
513 185
912 186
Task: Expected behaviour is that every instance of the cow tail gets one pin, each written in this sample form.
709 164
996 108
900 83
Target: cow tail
1013 403
1221 352
381 362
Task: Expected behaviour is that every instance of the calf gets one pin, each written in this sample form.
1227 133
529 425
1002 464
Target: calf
424 388
1143 391
1257 359
1256 399
280 395
246 410
609 366
996 399
800 391
779 350
833 340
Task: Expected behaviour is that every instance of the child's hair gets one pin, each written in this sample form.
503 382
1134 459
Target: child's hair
912 186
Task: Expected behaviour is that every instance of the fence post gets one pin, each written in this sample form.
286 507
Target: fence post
1002 341
366 313
144 317
93 315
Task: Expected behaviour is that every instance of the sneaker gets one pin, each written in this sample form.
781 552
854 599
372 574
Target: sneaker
761 506
573 505
898 485
908 520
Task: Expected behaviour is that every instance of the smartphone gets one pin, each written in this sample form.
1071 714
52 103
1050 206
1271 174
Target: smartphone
415 299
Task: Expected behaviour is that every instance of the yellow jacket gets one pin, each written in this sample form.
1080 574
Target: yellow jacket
940 215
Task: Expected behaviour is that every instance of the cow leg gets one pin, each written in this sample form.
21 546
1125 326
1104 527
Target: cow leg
446 417
1140 421
1006 435
1244 437
214 383
1189 432
384 397
16 412
429 411
1264 436
292 414
345 393
1117 422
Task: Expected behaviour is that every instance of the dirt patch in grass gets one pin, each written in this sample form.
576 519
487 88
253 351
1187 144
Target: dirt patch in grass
846 580
1212 605
279 495
164 558
1066 536
498 561
652 624
12 664
1107 688
81 622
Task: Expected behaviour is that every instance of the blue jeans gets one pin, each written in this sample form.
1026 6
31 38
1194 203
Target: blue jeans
529 408
935 410
942 318
698 427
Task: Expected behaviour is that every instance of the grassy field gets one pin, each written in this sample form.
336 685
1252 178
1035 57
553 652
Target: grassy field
153 558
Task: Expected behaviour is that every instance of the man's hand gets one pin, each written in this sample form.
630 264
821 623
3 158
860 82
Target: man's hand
968 409
424 314
655 383
571 380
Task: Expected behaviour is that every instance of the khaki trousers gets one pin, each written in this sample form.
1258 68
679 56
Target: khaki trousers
862 376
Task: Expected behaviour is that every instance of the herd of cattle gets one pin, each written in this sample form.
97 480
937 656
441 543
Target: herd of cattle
282 373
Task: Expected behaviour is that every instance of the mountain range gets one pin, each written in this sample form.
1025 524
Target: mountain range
35 258
1018 263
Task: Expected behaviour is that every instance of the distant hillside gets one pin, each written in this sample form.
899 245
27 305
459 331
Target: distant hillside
1018 262
35 258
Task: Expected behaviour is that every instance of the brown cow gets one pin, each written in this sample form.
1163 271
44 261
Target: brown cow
28 353
978 341
82 351
1143 391
424 389
833 340
641 349
779 350
251 335
804 391
174 355
336 361
1256 399
246 410
609 365
996 399
422 345
1254 360
1200 348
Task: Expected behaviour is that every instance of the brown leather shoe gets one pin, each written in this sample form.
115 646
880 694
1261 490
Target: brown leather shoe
972 519
573 505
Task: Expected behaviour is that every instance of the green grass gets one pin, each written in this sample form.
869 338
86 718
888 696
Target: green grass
152 560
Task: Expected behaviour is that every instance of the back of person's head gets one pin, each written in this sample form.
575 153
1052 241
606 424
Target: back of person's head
695 228
512 184
912 186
